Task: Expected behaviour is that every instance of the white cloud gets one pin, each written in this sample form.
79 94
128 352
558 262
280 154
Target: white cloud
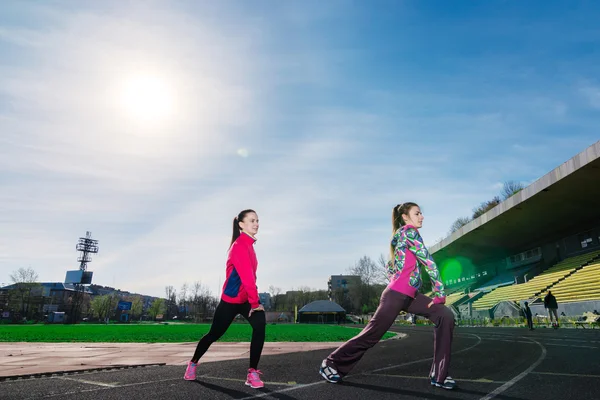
78 164
497 186
284 130
73 161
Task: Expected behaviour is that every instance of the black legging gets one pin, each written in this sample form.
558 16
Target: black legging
224 315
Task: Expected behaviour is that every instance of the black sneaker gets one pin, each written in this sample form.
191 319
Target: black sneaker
329 373
449 383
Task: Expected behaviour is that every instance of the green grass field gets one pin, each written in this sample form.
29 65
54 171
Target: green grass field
155 333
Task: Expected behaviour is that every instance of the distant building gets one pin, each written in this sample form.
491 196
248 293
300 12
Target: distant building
45 297
341 282
265 300
98 290
322 311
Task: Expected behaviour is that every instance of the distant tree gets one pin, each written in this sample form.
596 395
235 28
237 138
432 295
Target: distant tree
183 298
368 271
367 290
171 304
511 188
459 223
341 297
280 303
274 292
319 295
96 306
204 304
304 296
291 299
157 307
382 265
25 281
485 207
137 306
104 306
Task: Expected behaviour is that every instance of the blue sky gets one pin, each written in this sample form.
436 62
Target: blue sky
152 125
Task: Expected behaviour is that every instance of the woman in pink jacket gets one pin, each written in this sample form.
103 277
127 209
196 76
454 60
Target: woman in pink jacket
240 296
408 253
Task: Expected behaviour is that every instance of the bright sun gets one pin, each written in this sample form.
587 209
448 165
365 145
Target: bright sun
147 98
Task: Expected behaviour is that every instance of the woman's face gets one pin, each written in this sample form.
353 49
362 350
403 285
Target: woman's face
414 217
249 224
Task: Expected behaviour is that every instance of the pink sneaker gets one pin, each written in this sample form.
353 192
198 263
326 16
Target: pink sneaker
190 372
253 379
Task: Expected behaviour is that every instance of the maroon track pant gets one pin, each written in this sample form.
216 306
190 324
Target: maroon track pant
346 356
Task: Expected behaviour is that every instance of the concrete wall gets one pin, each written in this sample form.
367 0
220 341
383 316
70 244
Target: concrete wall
573 241
506 309
481 314
552 252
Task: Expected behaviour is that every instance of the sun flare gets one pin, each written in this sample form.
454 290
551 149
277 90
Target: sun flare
147 98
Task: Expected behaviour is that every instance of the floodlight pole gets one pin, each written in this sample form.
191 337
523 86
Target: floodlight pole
86 245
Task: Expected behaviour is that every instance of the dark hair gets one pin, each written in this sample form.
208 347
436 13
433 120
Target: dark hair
397 221
236 224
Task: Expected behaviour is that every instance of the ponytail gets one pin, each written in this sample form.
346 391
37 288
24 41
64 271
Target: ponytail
236 230
398 222
236 224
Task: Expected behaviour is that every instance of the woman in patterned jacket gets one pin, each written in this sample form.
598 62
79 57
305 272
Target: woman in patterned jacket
408 254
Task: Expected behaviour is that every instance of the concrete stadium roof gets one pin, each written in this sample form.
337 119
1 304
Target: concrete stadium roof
564 198
323 306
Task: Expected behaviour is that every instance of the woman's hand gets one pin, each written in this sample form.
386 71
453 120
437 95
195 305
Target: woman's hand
259 308
437 300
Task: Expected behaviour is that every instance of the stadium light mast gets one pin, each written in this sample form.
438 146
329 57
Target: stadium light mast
87 246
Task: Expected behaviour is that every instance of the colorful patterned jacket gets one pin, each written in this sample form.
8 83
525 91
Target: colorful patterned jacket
404 272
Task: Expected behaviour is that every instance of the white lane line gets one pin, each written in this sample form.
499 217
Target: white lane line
66 378
545 343
564 374
302 386
429 358
479 380
220 378
539 337
509 341
115 386
570 345
572 340
112 387
517 378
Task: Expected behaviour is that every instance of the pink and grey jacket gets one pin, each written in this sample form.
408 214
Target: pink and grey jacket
404 272
240 284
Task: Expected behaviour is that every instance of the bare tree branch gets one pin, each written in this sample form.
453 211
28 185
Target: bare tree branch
459 223
511 188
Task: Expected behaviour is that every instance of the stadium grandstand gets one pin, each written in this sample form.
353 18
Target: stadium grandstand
544 238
